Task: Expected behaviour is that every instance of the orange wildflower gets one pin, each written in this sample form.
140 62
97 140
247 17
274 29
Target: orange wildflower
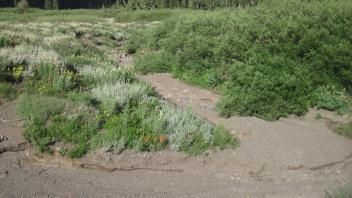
162 138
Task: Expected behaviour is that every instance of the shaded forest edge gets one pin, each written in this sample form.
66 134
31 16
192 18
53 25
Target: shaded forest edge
133 4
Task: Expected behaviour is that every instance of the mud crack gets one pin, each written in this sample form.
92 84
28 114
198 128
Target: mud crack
323 166
259 176
64 162
9 121
103 168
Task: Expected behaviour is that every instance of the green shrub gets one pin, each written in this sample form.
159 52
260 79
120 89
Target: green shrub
140 38
36 133
222 139
153 62
197 144
268 60
261 90
50 120
61 129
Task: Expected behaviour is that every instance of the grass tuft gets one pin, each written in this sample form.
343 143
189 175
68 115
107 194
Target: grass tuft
8 91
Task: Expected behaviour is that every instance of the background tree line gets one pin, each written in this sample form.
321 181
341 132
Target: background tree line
132 4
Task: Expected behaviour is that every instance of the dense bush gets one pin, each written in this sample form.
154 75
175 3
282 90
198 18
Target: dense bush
269 61
153 62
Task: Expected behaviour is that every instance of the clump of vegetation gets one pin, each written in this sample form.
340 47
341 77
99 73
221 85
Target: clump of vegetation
93 75
116 95
331 98
39 107
7 91
191 134
268 61
4 42
53 79
150 125
75 97
340 192
345 130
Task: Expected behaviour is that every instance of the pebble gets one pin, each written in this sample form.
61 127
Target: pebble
4 174
2 138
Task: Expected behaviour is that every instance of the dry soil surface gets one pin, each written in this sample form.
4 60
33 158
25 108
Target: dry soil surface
293 157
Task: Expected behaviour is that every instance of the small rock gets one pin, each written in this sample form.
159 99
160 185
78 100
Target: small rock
3 138
168 96
4 174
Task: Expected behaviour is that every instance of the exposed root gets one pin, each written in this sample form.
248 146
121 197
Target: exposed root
295 167
259 176
320 167
9 121
103 168
65 162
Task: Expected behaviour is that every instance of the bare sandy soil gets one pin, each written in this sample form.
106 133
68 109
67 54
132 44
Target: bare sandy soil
293 157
